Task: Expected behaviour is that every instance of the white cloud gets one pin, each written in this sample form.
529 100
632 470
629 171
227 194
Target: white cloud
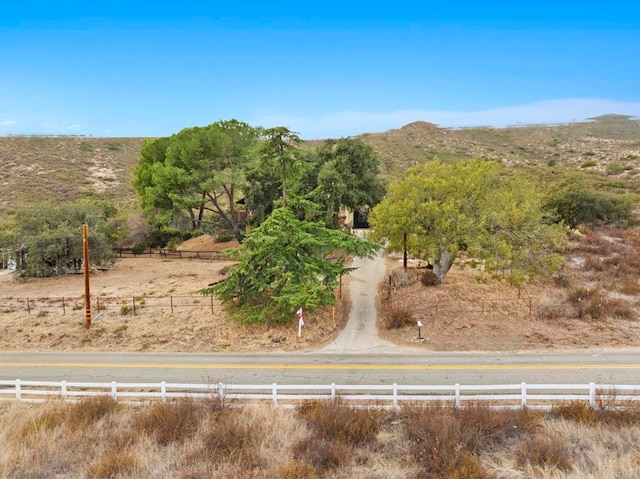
8 123
350 123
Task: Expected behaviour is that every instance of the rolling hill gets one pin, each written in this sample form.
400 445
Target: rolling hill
39 168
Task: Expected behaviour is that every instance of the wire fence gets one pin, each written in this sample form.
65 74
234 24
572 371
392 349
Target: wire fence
123 304
440 308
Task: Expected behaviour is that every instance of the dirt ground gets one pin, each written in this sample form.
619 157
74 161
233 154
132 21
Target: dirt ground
170 315
152 304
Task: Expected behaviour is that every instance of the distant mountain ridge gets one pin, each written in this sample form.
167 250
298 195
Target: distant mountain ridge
38 168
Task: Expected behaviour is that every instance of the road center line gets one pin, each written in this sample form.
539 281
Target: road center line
398 367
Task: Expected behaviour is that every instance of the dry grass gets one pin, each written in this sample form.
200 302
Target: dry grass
158 286
318 440
591 302
66 168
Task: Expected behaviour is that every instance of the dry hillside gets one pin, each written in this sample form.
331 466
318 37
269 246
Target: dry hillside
37 168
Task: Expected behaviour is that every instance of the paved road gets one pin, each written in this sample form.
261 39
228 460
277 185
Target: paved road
603 367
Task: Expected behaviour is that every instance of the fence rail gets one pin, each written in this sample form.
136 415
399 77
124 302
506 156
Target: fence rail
167 253
535 396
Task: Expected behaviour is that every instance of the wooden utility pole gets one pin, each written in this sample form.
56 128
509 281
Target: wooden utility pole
404 256
85 260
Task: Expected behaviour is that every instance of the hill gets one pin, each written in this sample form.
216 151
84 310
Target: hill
607 140
40 168
37 168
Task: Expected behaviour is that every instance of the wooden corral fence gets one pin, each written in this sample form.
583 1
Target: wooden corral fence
166 253
391 396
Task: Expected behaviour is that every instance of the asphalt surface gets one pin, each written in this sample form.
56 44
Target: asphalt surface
563 367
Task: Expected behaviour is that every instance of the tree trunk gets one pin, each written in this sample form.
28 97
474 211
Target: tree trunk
442 265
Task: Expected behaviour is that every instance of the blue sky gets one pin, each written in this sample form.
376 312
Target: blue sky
329 69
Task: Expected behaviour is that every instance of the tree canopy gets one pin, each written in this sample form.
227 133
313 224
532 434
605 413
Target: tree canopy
196 171
346 175
49 237
576 202
285 264
446 208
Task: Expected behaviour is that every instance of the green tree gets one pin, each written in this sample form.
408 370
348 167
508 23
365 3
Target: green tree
196 172
50 236
285 264
278 155
346 175
445 208
575 202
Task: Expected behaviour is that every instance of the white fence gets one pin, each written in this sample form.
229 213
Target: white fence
538 396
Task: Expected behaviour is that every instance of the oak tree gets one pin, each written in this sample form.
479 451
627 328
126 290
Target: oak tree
438 209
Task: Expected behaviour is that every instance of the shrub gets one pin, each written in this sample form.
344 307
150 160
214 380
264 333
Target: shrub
439 444
298 470
398 317
140 248
172 421
629 286
615 168
590 303
336 421
90 410
111 464
231 438
547 452
562 279
429 278
589 164
550 311
402 277
222 236
620 309
576 411
322 454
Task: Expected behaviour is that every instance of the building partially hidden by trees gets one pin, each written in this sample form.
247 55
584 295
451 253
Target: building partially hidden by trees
229 174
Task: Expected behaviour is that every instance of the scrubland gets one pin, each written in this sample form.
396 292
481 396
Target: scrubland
101 438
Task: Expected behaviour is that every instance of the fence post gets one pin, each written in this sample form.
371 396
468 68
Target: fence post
163 391
63 389
457 402
274 390
221 393
523 400
114 390
18 390
592 395
530 308
212 304
436 313
333 391
28 306
134 305
395 397
171 300
64 311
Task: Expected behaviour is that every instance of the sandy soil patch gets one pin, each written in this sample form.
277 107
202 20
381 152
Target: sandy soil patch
464 315
170 314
